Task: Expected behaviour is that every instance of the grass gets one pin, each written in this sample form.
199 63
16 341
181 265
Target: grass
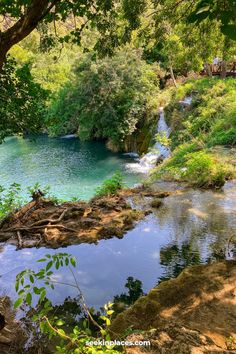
210 122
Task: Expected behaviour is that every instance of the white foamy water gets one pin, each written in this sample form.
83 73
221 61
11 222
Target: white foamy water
159 151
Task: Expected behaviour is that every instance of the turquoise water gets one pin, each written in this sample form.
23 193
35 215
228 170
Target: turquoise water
191 227
70 167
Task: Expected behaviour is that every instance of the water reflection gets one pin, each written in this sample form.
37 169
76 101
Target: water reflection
192 227
175 258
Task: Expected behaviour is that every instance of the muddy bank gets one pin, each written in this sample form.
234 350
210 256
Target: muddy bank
194 313
43 223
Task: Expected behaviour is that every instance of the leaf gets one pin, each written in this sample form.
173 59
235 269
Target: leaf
73 262
28 299
18 302
17 286
31 278
21 292
41 260
36 290
60 323
49 265
110 312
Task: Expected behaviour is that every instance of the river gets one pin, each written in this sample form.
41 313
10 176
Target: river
70 167
191 227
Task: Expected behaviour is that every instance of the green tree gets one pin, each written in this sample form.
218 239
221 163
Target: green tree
22 101
107 99
224 11
25 15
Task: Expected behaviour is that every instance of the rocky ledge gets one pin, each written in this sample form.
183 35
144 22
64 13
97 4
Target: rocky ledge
192 314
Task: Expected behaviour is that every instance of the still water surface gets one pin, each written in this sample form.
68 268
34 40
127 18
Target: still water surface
192 227
70 167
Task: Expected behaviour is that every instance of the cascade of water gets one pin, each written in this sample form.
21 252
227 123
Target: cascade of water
159 151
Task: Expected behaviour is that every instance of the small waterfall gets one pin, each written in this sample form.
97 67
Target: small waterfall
158 152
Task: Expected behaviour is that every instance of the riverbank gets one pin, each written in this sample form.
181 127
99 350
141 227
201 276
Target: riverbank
44 223
194 313
185 230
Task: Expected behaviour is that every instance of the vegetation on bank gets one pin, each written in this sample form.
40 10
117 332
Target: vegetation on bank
198 131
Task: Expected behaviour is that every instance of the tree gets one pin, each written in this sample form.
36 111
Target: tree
107 99
23 16
223 11
22 101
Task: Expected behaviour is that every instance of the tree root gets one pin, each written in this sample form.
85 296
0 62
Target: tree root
43 221
20 243
30 228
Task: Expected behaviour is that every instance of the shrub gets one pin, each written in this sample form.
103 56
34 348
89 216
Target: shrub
110 186
10 199
203 171
198 168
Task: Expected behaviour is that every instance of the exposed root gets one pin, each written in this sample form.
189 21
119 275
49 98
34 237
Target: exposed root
46 224
20 243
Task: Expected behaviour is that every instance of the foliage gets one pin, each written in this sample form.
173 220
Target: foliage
22 101
212 116
107 99
224 11
199 168
111 186
10 199
31 285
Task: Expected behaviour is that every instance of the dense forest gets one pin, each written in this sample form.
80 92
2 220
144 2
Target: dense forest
114 101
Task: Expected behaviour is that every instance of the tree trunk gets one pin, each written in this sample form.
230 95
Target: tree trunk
24 26
173 76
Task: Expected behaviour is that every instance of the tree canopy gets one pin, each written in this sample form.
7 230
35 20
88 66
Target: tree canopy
114 20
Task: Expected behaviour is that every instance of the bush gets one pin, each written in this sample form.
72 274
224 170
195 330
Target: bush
110 186
198 168
203 171
10 199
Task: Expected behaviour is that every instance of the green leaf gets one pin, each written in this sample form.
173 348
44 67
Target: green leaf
31 278
60 323
18 302
49 265
73 262
28 299
36 290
